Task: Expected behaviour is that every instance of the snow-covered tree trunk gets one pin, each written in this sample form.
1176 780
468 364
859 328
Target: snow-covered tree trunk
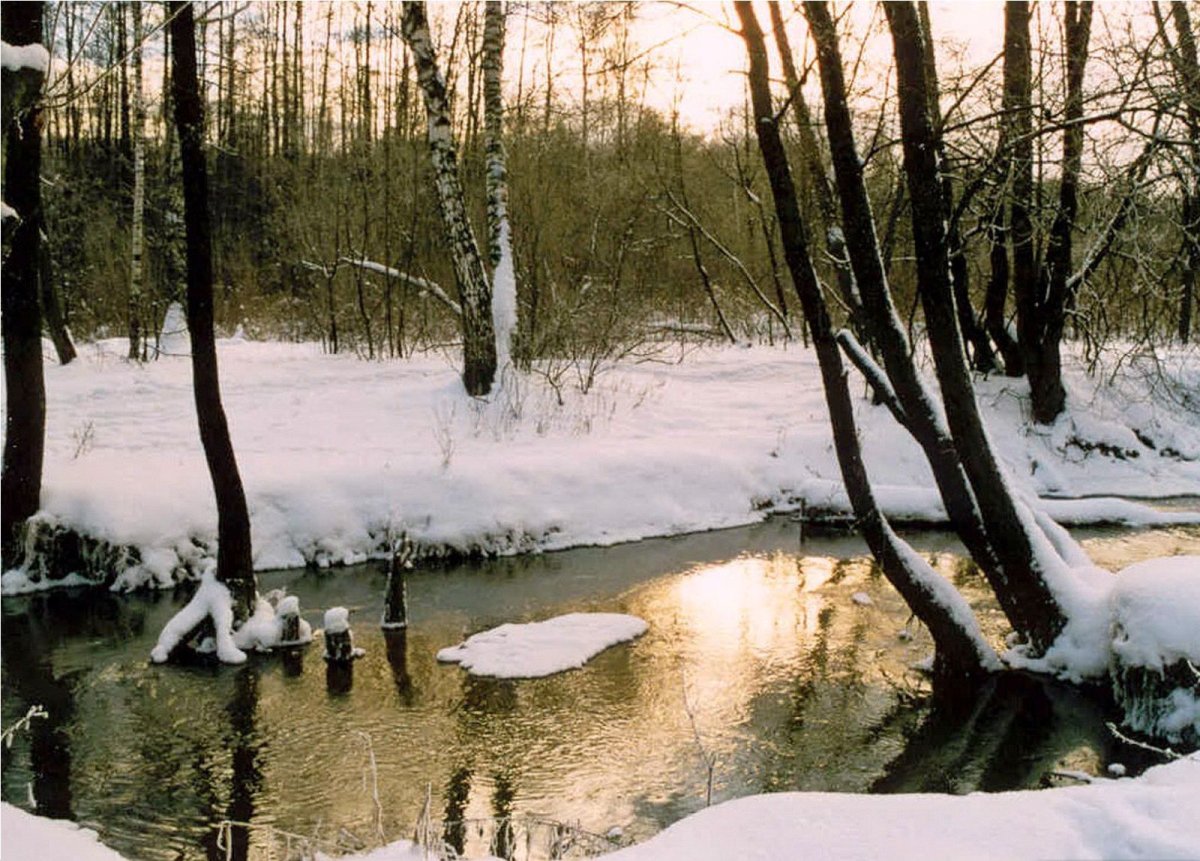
139 190
479 345
504 283
25 62
1014 537
962 653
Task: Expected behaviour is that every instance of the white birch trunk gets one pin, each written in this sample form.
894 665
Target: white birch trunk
139 188
504 282
479 346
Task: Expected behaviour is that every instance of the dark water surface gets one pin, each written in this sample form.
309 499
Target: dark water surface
757 660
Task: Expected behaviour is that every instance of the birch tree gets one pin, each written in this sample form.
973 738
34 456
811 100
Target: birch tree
504 283
475 292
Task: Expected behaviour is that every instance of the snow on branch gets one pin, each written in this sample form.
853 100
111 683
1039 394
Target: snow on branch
14 58
874 374
412 280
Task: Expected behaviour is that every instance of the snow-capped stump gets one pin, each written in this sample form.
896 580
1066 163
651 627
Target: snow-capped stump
292 629
1156 647
536 649
339 643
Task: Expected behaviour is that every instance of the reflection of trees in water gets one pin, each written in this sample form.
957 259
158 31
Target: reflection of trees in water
396 646
32 633
244 744
1010 735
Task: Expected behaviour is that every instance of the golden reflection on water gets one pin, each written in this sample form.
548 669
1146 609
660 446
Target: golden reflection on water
763 664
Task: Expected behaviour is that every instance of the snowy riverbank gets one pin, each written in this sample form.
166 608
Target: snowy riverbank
335 451
1153 816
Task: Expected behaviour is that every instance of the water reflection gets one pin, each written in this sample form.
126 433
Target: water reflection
757 660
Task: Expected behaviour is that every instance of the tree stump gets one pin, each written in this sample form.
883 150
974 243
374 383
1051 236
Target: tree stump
288 613
395 602
339 643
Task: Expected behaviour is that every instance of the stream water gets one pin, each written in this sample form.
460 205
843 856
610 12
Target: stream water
760 672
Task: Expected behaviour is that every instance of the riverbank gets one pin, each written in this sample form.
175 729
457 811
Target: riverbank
340 455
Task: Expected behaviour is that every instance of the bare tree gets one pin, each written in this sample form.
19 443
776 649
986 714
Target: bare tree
234 560
25 416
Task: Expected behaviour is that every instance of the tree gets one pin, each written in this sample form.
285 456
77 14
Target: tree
234 561
136 347
20 313
962 654
475 291
504 284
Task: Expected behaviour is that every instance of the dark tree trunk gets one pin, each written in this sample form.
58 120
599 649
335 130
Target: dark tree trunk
20 313
982 357
51 310
918 412
234 563
1037 614
832 234
1187 67
958 654
996 299
1045 302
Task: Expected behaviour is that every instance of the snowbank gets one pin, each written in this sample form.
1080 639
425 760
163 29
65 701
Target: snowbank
24 835
337 454
1156 647
536 649
1156 816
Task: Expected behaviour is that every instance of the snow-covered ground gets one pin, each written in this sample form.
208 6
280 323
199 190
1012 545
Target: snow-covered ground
336 451
1155 816
535 649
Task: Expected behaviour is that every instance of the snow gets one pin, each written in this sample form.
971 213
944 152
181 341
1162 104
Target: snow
1156 606
337 620
536 649
26 836
263 631
336 452
212 599
504 302
1154 816
174 340
18 57
6 211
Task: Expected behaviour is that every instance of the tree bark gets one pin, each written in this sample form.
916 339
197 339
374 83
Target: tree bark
234 560
831 231
1044 303
1038 615
959 655
1187 67
504 287
52 314
982 357
882 320
20 314
139 190
479 346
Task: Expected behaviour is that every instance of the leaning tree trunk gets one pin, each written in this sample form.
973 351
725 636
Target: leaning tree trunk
20 314
136 268
52 313
234 563
504 284
832 233
1010 527
961 653
479 346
